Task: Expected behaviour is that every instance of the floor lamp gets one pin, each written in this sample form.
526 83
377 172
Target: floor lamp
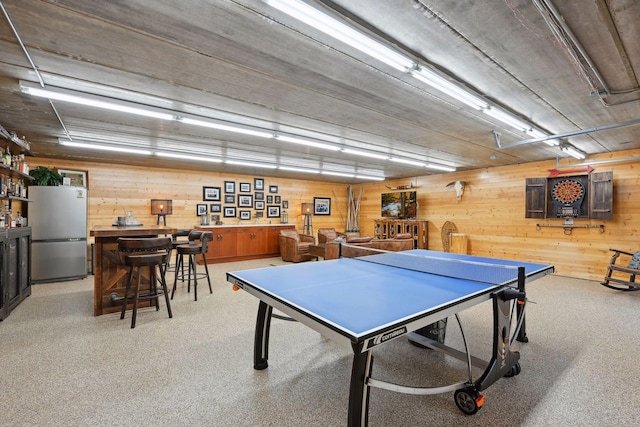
307 211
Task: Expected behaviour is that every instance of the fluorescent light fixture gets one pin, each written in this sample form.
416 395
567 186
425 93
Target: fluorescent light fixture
292 169
445 86
440 167
93 101
307 142
365 154
93 146
346 175
371 178
194 157
228 128
538 134
336 29
103 147
250 164
573 152
407 162
507 118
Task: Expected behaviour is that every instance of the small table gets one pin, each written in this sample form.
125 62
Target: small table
329 250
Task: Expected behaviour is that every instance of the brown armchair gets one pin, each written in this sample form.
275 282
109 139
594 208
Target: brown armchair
621 277
294 247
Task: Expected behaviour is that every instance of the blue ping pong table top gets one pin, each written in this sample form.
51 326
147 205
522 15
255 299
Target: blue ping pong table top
360 298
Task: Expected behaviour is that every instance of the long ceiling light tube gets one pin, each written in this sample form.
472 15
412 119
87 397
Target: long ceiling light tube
364 43
334 28
225 127
572 151
119 149
91 101
307 142
443 85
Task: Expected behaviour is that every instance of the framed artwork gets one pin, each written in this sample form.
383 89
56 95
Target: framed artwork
285 204
245 214
201 209
259 214
229 198
230 187
259 205
321 206
74 178
277 199
269 199
273 211
273 189
245 187
259 195
258 184
229 212
245 200
211 193
215 207
215 218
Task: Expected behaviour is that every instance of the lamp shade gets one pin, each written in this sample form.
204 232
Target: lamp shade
161 207
307 208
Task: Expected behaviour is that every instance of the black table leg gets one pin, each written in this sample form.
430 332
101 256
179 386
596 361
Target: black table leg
359 390
261 340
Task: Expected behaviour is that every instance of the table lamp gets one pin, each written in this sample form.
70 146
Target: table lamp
162 208
307 211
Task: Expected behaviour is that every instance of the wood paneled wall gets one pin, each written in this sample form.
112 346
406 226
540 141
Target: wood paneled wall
491 212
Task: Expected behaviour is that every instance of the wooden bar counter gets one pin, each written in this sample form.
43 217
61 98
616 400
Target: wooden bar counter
110 275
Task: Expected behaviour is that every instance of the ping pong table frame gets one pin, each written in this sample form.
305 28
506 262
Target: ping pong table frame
504 362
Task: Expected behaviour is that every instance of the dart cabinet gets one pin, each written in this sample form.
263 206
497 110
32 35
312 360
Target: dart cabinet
580 196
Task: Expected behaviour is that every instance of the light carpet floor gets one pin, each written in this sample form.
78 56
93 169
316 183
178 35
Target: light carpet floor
61 366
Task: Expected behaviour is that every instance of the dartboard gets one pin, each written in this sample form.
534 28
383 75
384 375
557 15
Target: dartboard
568 191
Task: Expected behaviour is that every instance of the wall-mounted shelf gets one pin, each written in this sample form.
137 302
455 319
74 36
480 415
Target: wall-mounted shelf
568 228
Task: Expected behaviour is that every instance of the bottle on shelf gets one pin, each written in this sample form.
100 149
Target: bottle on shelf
19 220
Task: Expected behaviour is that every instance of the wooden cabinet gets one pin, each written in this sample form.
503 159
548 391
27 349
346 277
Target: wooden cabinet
223 245
243 242
580 196
388 228
15 277
15 243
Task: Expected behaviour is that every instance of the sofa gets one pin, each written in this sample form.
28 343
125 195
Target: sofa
294 247
331 239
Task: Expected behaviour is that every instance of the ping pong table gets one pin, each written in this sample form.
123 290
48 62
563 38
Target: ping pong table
368 301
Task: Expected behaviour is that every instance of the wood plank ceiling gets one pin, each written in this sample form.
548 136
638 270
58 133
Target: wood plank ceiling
244 61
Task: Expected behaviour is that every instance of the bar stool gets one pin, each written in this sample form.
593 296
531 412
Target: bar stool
178 238
192 250
138 253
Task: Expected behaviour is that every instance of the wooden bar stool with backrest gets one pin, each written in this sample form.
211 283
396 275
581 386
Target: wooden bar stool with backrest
192 250
180 237
138 253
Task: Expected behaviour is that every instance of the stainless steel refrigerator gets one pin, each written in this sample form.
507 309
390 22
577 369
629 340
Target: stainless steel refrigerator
58 219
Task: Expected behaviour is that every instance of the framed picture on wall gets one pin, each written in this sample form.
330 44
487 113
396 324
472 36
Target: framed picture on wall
229 187
258 184
273 189
201 209
245 187
245 214
211 193
259 195
215 207
259 205
229 198
245 200
321 206
229 212
285 204
273 211
277 199
74 178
